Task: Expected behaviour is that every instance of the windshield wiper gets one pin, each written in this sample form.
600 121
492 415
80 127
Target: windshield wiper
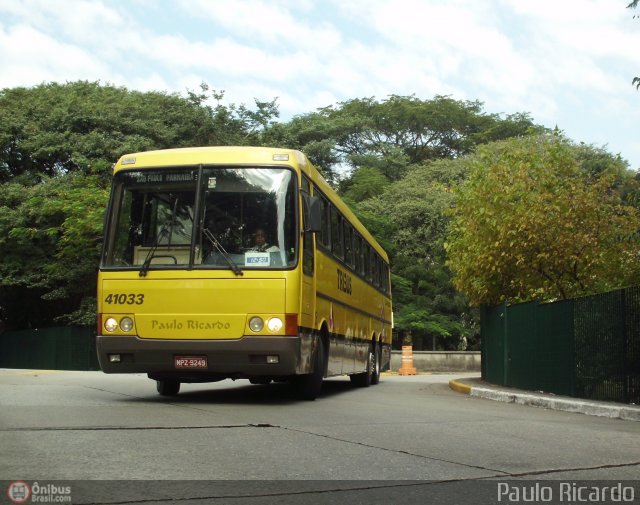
147 261
167 228
214 242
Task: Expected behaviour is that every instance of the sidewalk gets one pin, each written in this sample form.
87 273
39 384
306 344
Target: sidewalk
476 387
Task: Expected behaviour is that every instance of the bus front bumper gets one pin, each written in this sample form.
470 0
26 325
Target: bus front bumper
239 358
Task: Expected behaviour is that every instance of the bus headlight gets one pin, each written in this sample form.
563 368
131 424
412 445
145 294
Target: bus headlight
256 324
274 324
126 324
111 325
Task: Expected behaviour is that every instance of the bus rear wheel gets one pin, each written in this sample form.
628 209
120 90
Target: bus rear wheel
365 379
375 372
168 387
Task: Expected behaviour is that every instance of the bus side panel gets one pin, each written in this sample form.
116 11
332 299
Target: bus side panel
328 316
353 311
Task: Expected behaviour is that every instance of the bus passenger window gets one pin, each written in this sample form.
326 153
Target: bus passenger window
357 252
348 244
325 231
385 273
307 238
337 245
367 262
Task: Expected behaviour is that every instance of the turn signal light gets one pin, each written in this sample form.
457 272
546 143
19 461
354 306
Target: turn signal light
291 325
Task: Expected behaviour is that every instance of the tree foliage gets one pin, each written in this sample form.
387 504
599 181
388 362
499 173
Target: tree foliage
57 145
539 216
393 134
84 127
534 220
416 214
50 238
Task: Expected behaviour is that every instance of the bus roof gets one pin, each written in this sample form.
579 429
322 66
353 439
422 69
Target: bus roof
244 155
208 155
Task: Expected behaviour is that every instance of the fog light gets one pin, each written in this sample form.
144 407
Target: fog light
273 360
111 325
114 358
126 324
256 324
274 324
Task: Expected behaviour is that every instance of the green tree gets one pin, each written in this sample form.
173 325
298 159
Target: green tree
535 221
83 126
50 238
393 134
57 145
365 183
415 213
406 156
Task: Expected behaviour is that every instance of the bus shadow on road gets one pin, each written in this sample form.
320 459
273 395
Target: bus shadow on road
243 393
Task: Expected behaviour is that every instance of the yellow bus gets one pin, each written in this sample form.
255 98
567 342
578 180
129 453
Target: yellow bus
240 263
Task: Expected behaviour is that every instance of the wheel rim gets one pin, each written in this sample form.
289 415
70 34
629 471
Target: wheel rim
373 365
376 361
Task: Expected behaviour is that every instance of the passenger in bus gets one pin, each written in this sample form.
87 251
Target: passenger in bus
261 242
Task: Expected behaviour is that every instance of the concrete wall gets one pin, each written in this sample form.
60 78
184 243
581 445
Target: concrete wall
440 361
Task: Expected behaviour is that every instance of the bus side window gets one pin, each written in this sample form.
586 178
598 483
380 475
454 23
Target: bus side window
357 251
325 231
337 244
385 277
307 238
374 267
348 243
367 262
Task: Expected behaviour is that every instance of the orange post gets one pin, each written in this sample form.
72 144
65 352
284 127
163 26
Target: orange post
407 367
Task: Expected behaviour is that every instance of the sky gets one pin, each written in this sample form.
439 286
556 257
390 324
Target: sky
568 63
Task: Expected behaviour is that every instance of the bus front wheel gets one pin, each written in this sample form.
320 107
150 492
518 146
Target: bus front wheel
168 387
308 386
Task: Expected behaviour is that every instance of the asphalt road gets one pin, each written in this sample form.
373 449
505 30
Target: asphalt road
61 425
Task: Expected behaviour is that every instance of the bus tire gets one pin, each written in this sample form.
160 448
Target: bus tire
168 387
375 373
308 386
363 380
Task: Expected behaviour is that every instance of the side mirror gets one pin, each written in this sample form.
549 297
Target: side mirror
312 213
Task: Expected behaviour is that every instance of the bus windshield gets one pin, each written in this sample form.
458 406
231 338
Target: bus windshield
220 218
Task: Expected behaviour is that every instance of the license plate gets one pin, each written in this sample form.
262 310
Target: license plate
191 361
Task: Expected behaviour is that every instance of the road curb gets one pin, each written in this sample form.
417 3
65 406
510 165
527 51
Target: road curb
591 408
460 387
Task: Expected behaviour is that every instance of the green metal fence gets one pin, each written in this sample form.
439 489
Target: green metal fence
585 347
61 348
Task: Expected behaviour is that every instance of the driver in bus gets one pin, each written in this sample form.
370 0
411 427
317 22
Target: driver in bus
261 242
